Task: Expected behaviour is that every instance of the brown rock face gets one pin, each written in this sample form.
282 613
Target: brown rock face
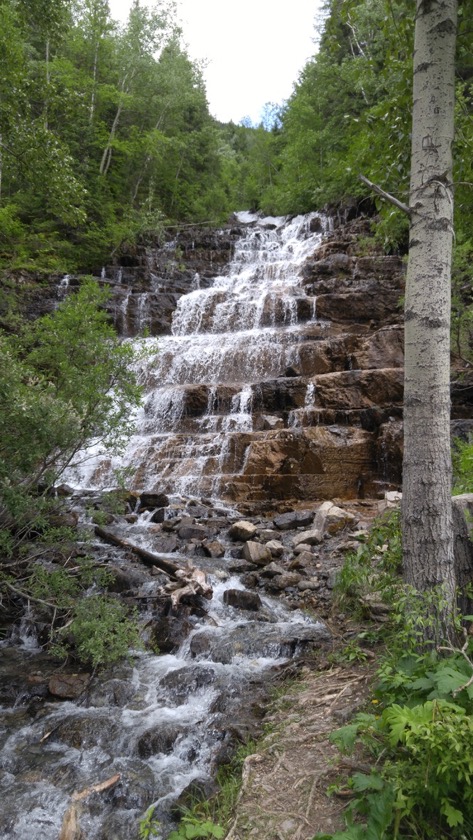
278 370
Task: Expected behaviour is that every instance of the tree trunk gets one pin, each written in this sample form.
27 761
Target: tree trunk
427 508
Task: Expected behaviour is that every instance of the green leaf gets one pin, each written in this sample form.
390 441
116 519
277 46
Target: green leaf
345 737
361 782
453 816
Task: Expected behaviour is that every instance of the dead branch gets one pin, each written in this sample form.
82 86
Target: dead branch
147 557
387 196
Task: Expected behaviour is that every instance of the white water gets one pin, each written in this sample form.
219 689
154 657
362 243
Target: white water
225 340
158 724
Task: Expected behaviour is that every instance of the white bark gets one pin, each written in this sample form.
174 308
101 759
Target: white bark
427 509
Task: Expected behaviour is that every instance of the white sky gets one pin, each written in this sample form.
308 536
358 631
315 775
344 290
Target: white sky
254 48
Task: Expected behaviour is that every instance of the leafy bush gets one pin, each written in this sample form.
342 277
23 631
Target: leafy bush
421 741
100 632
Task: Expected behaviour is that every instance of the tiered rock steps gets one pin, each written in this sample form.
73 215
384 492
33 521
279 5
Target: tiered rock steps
321 419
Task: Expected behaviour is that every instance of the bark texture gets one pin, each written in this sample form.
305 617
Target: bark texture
427 507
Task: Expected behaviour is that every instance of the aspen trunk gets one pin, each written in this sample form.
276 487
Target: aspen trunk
427 508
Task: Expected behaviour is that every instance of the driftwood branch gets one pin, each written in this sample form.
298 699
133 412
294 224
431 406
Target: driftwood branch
147 557
387 196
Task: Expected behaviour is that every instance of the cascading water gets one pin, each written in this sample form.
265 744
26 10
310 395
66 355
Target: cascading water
200 382
161 723
155 726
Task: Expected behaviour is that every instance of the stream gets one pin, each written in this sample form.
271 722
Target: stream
152 730
162 724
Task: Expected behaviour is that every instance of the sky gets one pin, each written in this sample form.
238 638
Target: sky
254 49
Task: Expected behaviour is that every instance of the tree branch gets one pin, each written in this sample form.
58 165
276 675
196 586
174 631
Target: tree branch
387 196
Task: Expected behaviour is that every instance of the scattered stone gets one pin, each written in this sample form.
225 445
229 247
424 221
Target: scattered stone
305 585
242 600
256 553
242 530
213 548
314 537
276 548
294 519
273 569
301 561
267 534
332 519
302 548
192 532
285 581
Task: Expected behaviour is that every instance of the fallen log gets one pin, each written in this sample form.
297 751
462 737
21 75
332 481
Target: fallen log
147 557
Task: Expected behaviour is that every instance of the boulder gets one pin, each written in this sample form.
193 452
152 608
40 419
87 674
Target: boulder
68 686
242 599
285 581
256 553
294 519
150 501
331 519
213 548
242 530
313 537
276 548
192 532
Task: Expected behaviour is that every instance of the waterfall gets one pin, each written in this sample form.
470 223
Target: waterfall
226 339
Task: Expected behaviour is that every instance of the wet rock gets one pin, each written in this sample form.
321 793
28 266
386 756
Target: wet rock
213 548
241 599
150 501
256 553
80 731
125 578
165 544
250 579
68 686
271 422
185 681
169 631
135 790
242 530
159 515
114 692
241 566
192 532
160 739
269 641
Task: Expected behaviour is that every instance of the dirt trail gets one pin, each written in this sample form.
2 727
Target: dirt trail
284 790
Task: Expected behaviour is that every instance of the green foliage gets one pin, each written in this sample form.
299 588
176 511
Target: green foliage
99 633
65 382
149 827
192 827
462 457
373 569
420 738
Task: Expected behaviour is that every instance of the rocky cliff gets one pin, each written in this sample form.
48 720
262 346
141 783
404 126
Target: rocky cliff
327 423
